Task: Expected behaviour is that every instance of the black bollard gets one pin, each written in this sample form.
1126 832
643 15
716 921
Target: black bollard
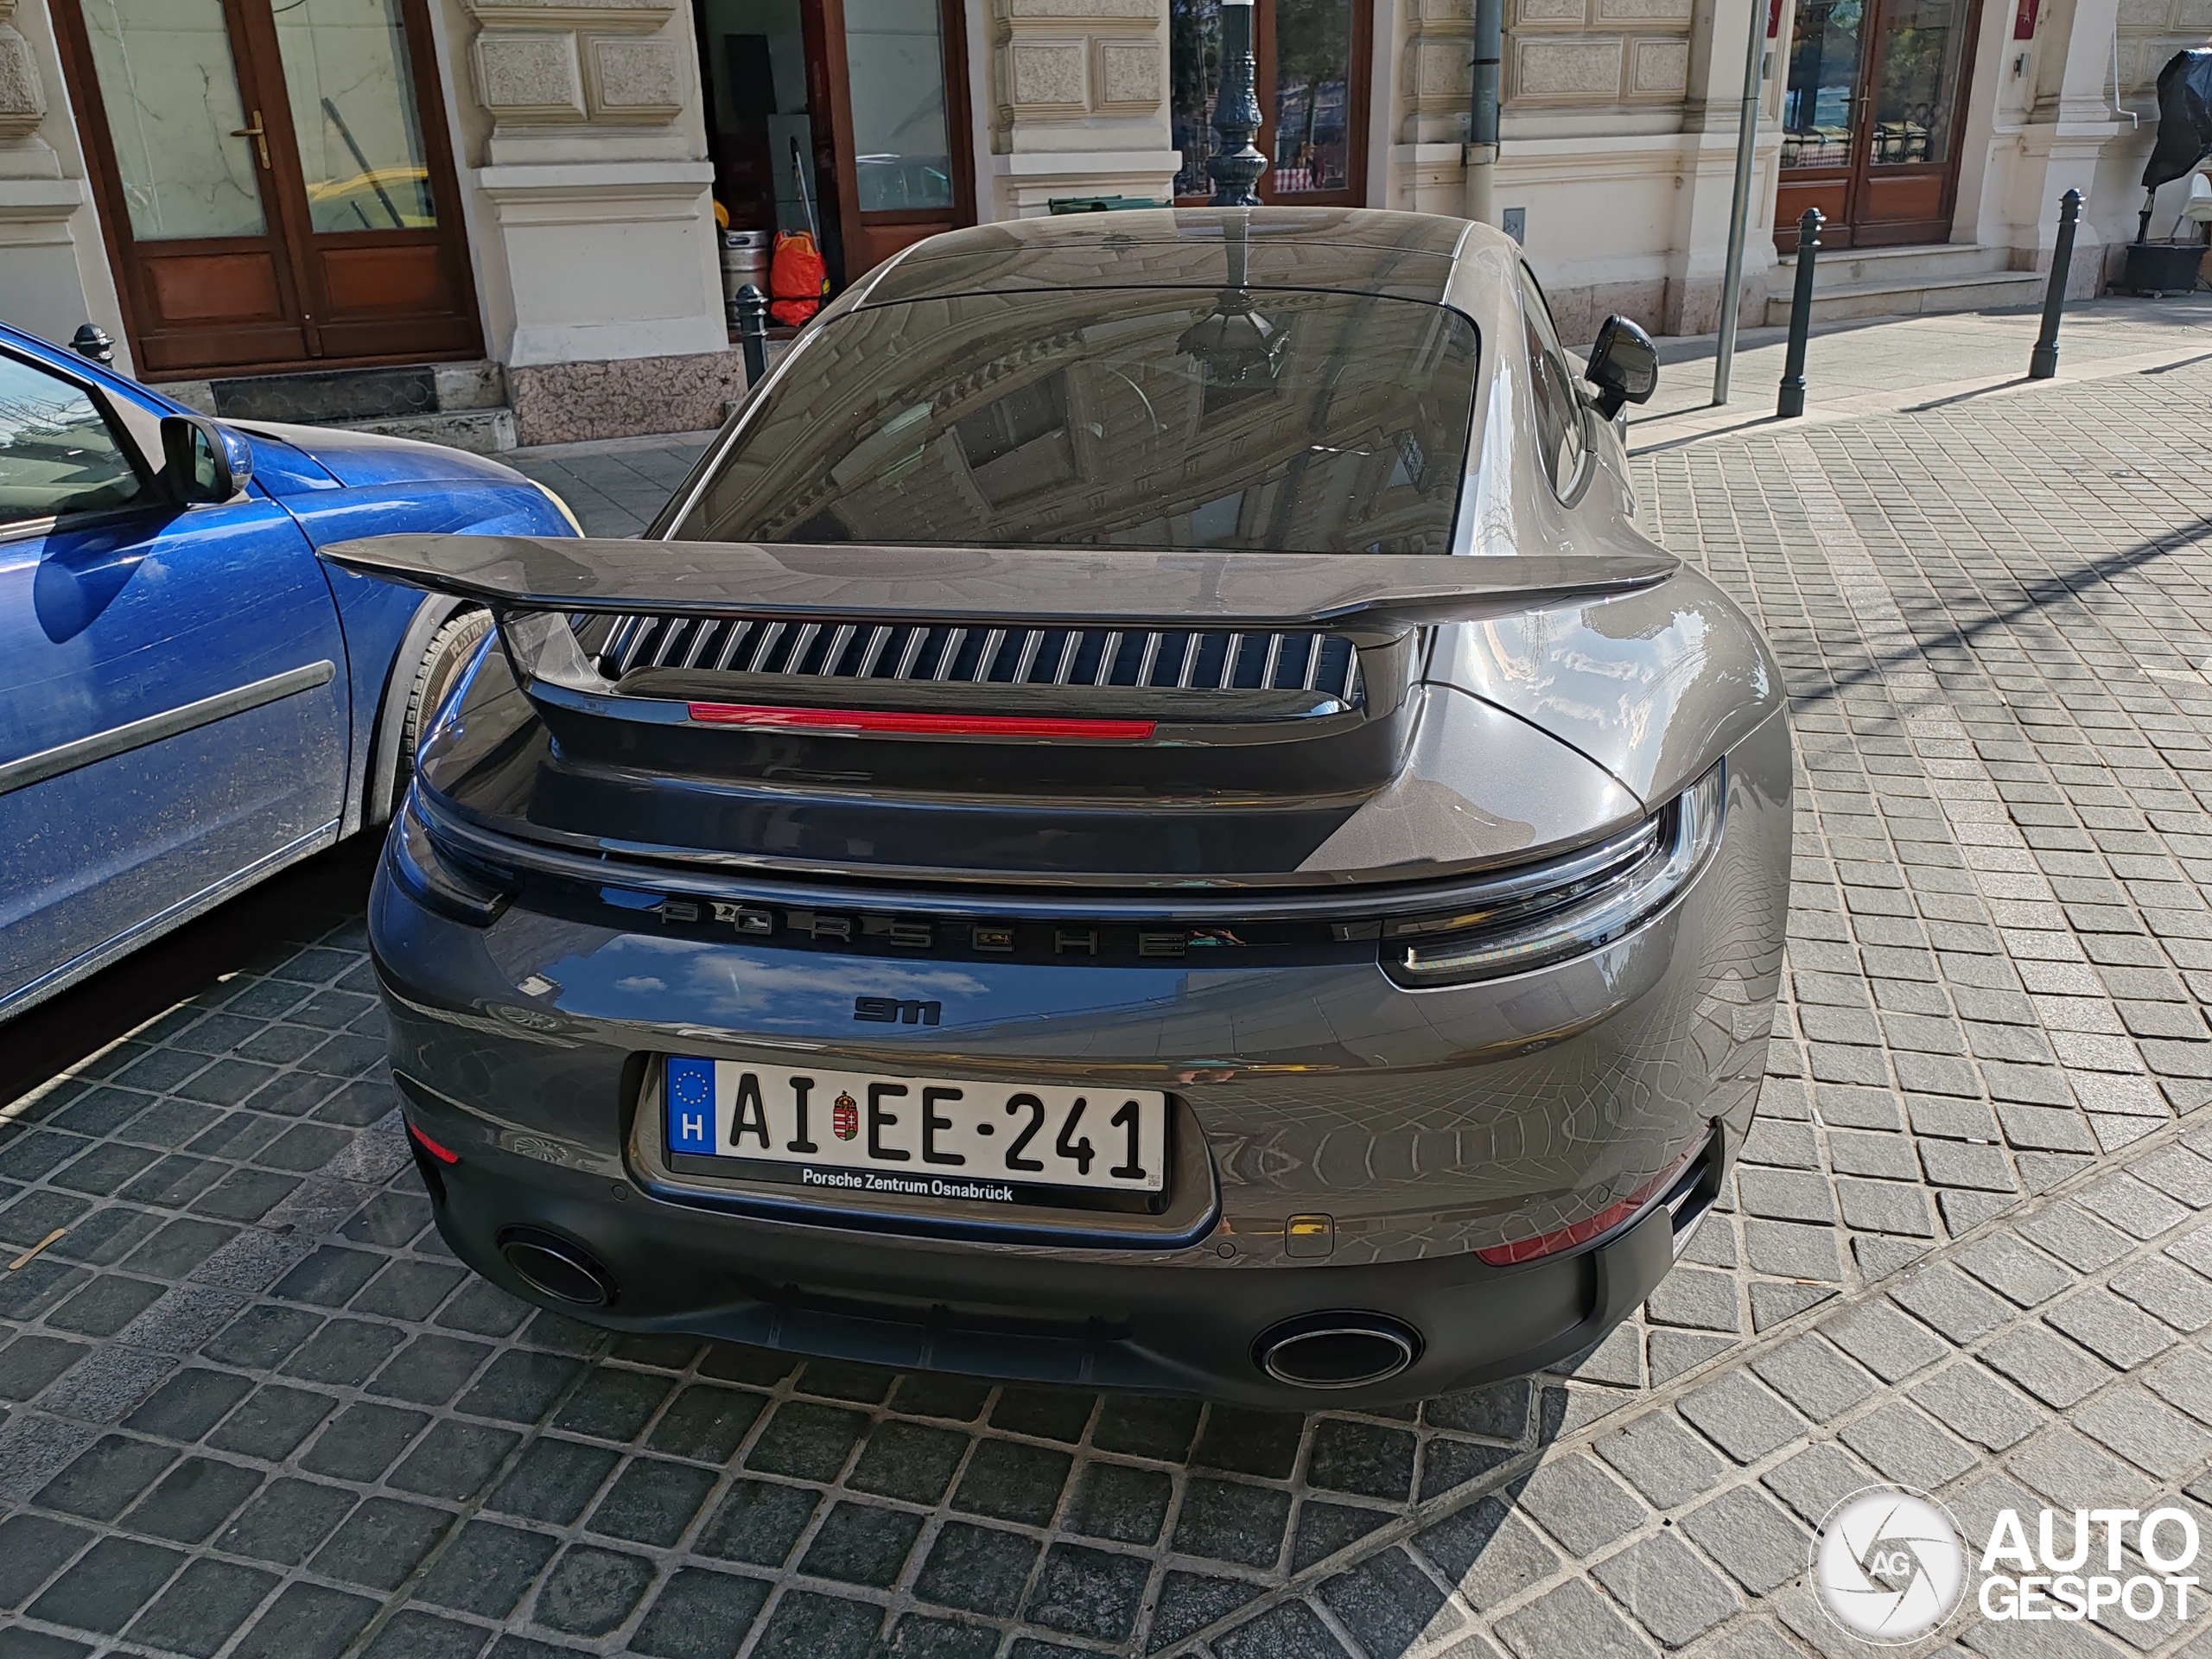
752 307
2043 362
1791 403
91 340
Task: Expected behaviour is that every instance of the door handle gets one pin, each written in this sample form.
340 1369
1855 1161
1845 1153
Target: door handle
259 134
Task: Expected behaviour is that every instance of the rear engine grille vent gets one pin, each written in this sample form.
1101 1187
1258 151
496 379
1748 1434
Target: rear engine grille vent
1081 656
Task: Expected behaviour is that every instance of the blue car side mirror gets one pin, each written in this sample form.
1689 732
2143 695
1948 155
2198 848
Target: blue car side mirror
201 461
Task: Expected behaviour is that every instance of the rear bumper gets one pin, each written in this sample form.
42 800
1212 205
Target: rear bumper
1420 1126
1031 1315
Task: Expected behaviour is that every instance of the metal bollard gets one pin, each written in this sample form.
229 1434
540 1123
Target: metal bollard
752 307
91 340
1791 402
2043 362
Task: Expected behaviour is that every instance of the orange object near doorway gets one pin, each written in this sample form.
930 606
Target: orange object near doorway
796 278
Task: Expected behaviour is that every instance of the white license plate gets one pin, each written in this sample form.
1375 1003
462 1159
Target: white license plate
933 1137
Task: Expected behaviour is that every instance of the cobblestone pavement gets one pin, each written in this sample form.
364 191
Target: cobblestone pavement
254 1410
614 488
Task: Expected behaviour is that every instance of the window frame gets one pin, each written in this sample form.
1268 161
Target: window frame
1360 111
1537 321
118 430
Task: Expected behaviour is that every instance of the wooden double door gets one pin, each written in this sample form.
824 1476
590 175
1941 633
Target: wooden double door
849 117
274 179
1872 120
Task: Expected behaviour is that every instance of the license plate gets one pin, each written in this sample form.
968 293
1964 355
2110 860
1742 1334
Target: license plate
926 1137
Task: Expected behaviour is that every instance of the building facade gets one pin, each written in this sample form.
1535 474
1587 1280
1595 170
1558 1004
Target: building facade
504 210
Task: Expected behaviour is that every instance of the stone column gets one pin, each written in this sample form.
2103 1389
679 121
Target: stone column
2071 140
597 262
54 266
1436 43
1080 97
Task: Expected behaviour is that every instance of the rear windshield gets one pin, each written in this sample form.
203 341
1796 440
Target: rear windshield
1282 420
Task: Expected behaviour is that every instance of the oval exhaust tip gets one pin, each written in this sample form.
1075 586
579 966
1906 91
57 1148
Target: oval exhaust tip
557 1267
1337 1350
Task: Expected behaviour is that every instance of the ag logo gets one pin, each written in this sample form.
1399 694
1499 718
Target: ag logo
1888 1564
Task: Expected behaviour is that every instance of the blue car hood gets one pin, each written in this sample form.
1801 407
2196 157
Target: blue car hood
369 460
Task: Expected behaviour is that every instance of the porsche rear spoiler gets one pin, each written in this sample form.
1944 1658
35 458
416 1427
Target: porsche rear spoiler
1139 672
1378 596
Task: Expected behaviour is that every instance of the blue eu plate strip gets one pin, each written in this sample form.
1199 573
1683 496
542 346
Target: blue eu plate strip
691 1106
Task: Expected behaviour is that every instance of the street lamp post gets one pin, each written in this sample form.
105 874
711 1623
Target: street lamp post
1237 162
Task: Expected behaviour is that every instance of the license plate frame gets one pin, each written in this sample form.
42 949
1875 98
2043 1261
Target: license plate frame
824 1139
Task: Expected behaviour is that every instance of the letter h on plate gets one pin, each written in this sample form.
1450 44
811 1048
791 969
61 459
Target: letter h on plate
690 1087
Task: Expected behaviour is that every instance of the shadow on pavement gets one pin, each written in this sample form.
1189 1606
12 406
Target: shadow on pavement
313 894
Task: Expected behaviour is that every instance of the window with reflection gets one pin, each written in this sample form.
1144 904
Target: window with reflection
58 455
1311 57
1269 420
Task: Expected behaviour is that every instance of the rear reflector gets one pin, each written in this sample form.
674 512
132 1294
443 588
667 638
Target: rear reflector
1581 1232
916 725
432 1146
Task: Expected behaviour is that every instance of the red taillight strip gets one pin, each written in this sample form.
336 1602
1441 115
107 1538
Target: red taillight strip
1581 1232
432 1146
916 725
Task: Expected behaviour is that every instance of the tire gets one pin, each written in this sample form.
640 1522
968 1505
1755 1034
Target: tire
449 651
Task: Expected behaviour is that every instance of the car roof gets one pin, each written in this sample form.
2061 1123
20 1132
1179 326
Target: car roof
1349 249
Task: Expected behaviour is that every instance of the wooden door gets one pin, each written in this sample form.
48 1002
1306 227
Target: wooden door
274 180
892 75
1310 66
1871 120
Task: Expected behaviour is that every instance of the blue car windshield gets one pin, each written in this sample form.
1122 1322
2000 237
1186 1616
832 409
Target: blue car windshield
1271 420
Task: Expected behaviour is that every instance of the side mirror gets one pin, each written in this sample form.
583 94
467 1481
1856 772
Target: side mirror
1624 366
201 461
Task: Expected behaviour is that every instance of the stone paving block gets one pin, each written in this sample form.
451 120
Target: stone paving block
1751 1535
1811 1482
1579 1503
1571 1619
487 1568
2144 1430
286 1523
2135 1207
2115 1331
1973 1405
1884 1340
1670 1593
2173 1293
1742 1418
758 1522
1365 1459
198 1613
1289 1630
806 1625
1490 1553
2075 1472
1953 1304
1907 1445
2016 1269
1815 1377
1662 1459
698 1613
976 1569
2075 1237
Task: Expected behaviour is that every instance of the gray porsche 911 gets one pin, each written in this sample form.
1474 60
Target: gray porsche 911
1145 818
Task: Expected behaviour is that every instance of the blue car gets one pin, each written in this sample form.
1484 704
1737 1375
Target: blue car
190 699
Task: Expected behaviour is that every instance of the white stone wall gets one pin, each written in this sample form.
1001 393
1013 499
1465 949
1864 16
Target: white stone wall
1077 96
54 274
